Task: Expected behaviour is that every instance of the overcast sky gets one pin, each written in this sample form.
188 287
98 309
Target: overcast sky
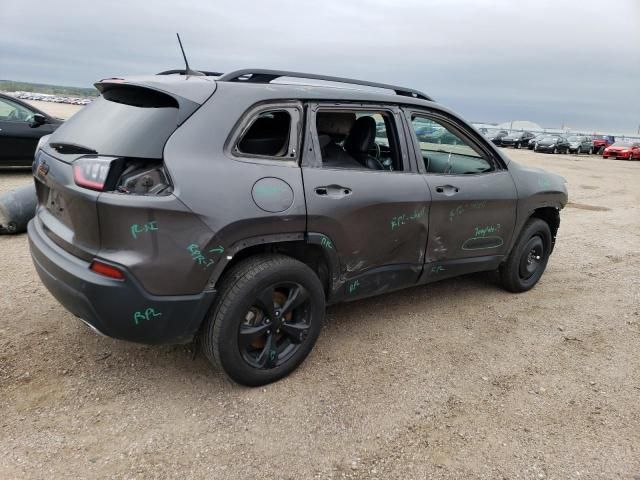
575 62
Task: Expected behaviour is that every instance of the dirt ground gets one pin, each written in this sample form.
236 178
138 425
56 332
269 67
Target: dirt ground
455 380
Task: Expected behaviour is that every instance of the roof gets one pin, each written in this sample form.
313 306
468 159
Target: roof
283 77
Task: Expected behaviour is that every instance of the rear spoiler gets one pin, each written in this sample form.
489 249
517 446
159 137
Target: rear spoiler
196 89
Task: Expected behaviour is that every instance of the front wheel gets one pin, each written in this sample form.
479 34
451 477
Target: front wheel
266 320
528 259
555 150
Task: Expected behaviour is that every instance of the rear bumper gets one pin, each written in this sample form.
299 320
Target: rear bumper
116 308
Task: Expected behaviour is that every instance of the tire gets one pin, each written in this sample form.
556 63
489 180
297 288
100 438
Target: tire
516 146
252 299
555 150
601 150
591 151
528 258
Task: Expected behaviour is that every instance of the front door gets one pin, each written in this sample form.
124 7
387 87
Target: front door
365 203
473 197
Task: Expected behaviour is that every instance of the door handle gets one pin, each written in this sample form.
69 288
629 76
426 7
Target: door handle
447 189
333 191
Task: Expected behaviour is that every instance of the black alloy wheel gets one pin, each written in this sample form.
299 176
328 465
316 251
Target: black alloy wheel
275 326
266 319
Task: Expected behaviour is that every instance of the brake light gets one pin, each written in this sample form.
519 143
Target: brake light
106 270
92 172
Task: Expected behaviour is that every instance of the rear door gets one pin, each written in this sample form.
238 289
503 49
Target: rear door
375 221
473 198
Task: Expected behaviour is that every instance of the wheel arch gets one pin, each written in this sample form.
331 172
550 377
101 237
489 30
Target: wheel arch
551 215
309 249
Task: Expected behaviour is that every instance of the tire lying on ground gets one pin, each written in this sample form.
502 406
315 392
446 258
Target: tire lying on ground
17 207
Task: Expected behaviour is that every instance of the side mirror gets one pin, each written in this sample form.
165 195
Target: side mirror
37 120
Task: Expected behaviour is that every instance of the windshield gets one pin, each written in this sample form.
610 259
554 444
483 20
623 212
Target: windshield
574 139
623 144
549 139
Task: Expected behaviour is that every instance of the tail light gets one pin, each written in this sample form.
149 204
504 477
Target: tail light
92 172
108 174
142 178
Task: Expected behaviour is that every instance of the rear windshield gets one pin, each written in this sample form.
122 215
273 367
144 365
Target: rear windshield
125 121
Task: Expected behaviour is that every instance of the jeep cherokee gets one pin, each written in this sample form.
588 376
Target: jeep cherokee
233 208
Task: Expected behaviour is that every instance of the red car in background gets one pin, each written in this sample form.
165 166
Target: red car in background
624 150
600 142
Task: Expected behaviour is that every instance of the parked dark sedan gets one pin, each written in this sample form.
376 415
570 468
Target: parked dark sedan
21 127
553 144
532 142
516 139
496 136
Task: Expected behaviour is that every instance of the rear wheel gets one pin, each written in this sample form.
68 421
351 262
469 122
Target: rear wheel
528 259
266 320
601 150
555 149
517 145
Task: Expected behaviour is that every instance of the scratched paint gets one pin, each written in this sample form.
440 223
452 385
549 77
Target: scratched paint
144 228
437 269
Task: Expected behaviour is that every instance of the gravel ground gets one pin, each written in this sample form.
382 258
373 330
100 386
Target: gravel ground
459 379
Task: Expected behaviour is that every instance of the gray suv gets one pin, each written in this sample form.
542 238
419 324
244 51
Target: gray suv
233 208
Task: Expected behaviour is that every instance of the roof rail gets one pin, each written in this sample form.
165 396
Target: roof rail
184 72
265 76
